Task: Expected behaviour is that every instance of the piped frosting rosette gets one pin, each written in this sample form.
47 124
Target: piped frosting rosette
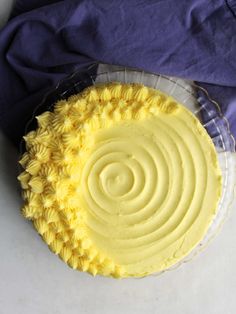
120 180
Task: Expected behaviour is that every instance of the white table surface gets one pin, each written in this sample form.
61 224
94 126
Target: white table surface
35 281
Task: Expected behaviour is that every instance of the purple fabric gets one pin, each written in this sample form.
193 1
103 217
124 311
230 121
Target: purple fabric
46 40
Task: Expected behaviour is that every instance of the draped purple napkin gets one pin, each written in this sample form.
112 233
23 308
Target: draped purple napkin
44 41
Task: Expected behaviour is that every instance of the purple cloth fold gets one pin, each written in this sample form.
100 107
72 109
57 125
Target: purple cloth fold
46 40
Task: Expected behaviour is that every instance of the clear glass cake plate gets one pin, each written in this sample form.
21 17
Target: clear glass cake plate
194 97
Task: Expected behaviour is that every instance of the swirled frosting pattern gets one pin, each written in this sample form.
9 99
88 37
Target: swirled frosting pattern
120 180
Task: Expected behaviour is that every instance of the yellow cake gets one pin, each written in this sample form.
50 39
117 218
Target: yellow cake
120 180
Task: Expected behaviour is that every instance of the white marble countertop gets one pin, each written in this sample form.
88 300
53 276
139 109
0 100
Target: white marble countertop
35 281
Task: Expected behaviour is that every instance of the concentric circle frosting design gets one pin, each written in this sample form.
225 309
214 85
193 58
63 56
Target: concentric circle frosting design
120 180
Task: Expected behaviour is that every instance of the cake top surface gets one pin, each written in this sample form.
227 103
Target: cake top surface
120 180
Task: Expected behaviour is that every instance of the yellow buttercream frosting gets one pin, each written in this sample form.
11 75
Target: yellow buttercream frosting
120 180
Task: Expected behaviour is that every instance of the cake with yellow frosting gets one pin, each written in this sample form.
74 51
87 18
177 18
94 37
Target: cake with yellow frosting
120 180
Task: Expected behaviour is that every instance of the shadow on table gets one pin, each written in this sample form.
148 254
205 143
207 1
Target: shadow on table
9 168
